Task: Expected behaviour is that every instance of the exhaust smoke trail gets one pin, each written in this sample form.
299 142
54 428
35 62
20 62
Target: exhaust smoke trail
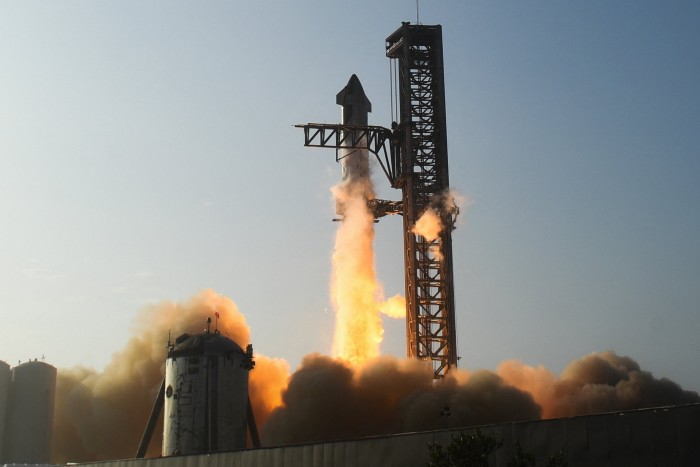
356 293
354 286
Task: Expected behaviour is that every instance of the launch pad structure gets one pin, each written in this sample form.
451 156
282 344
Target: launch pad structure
413 156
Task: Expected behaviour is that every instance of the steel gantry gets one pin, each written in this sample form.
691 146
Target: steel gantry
430 320
413 156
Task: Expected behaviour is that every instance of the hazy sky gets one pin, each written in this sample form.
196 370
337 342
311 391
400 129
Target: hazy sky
147 152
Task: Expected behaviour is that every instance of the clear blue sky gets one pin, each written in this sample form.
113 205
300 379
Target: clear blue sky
147 152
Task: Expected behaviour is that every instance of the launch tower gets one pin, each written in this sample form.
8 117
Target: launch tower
413 156
425 183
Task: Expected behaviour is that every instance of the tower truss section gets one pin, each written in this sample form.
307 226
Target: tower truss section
430 320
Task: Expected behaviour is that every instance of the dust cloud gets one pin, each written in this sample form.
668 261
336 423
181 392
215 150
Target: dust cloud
328 399
331 399
102 415
595 383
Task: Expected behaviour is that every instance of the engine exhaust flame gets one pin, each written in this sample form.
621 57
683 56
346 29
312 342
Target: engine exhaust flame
356 294
358 330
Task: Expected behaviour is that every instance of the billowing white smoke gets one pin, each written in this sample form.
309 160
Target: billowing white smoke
431 222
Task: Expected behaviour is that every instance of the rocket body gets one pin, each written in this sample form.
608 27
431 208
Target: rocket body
355 161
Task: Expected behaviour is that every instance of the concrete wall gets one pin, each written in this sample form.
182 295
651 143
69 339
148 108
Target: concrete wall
662 436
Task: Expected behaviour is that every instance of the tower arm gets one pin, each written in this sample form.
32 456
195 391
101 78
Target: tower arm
374 139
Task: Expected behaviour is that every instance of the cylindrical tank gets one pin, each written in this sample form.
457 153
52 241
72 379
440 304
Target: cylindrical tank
4 390
206 395
29 423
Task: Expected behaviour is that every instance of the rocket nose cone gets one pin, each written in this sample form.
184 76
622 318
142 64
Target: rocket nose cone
353 94
354 82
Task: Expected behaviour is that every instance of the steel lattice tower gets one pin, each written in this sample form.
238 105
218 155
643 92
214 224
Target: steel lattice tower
430 320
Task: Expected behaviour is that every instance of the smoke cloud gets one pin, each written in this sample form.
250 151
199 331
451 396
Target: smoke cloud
598 382
330 399
431 223
102 415
394 307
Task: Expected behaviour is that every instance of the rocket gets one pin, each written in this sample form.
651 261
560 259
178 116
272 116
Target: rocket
356 106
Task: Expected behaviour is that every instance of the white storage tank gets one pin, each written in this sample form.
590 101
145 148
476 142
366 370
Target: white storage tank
206 395
29 422
4 390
